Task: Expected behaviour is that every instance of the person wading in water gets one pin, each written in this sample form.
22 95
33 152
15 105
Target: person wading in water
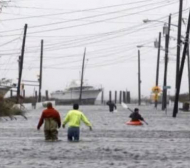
74 118
112 106
52 123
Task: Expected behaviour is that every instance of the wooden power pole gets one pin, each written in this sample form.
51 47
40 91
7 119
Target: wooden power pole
167 39
158 65
178 45
188 68
139 79
82 75
175 109
41 67
21 62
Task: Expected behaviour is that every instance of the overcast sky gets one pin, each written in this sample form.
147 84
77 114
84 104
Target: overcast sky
109 29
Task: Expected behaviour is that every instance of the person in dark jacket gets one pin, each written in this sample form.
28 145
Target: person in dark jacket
112 106
135 116
52 123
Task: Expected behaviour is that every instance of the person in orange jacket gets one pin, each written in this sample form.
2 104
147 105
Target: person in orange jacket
52 123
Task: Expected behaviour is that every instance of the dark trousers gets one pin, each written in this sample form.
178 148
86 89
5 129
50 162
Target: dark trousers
73 134
111 110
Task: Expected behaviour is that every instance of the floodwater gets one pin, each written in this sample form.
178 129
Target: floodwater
164 143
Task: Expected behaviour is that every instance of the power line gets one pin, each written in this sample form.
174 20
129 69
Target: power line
83 10
100 35
99 21
9 41
185 10
125 4
61 28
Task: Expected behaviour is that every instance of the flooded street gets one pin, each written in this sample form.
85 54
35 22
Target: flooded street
165 142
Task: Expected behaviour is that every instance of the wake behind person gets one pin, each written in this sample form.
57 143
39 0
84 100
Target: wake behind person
52 123
112 106
74 118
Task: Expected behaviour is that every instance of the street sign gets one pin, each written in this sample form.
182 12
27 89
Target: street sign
166 87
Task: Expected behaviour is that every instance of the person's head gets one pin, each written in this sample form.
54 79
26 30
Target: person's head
75 106
49 105
109 102
136 110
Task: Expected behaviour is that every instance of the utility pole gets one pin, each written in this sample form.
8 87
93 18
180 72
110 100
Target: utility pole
40 77
21 62
102 97
188 68
124 97
158 64
120 97
128 97
175 110
139 79
167 38
115 97
82 74
110 95
178 44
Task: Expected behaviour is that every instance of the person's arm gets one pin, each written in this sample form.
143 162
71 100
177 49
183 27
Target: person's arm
58 119
131 115
140 118
85 120
66 120
41 121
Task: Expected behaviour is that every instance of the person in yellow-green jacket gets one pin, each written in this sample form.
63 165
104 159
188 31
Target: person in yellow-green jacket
74 118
